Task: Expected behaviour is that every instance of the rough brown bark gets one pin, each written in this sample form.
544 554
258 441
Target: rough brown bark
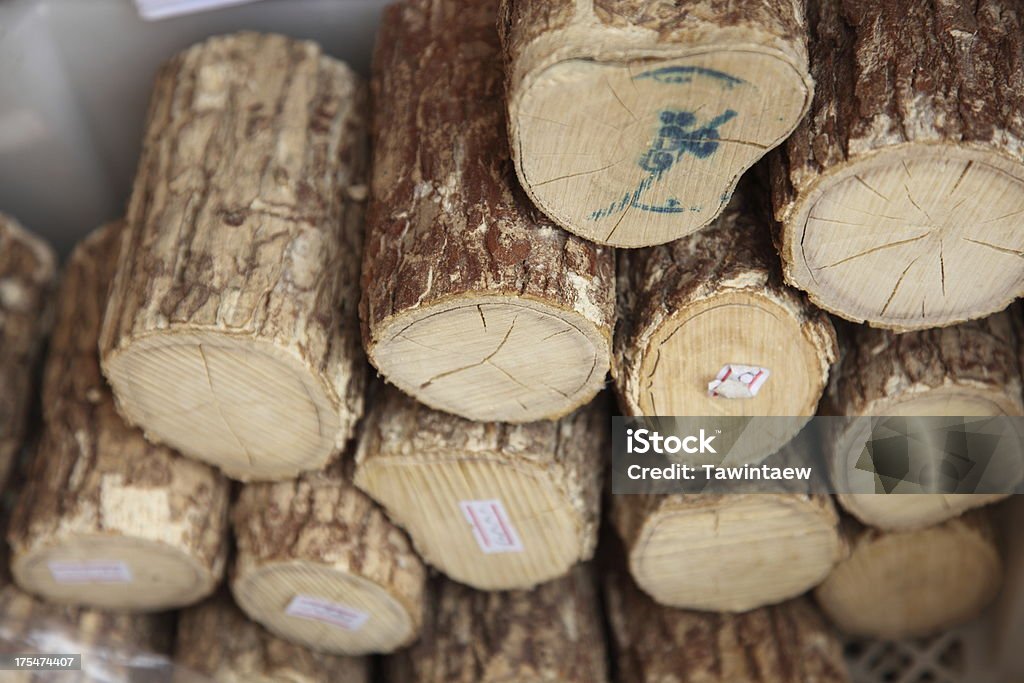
915 583
552 633
727 552
690 307
27 270
114 646
96 489
472 301
904 89
787 643
968 369
321 538
421 464
216 640
589 82
232 331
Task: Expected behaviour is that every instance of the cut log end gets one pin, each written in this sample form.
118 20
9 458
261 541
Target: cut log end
359 615
916 236
494 358
116 573
690 348
735 553
656 148
240 404
914 584
526 549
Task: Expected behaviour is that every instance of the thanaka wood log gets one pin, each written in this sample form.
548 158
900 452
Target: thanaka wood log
492 505
107 519
968 370
631 122
216 640
551 633
232 333
786 643
727 552
693 306
901 192
912 584
473 302
27 271
319 564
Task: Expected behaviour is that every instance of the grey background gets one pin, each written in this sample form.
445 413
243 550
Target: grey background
75 77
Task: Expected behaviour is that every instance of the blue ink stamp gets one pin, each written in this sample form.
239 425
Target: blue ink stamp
685 74
678 135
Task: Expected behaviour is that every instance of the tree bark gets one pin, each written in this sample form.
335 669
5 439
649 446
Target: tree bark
472 301
690 308
900 191
912 584
492 505
552 633
107 519
27 270
232 331
787 643
650 110
971 369
727 552
217 641
319 564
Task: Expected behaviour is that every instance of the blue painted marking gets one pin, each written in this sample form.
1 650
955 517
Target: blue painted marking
677 136
685 74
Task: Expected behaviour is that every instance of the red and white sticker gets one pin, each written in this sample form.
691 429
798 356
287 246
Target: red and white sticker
90 571
738 381
327 612
491 526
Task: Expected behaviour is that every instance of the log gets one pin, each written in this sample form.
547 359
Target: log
472 302
970 369
27 270
216 640
727 552
107 519
114 646
648 110
232 329
692 308
913 584
900 193
786 643
319 564
492 505
551 633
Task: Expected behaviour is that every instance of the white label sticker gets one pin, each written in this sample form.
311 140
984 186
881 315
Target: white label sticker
327 612
164 9
738 381
491 526
90 571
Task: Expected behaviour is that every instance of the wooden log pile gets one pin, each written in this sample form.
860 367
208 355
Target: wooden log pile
503 149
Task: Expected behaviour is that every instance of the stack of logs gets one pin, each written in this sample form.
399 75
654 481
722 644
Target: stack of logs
221 331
